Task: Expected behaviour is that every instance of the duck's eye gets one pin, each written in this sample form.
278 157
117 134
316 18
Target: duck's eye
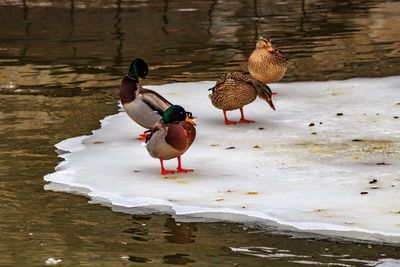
190 115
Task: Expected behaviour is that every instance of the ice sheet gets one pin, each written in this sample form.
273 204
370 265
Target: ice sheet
281 169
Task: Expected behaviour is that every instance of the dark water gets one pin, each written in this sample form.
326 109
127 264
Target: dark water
60 65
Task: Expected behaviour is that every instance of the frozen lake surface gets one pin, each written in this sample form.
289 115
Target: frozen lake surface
327 160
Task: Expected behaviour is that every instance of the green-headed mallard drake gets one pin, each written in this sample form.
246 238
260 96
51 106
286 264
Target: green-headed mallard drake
266 63
171 136
142 105
235 90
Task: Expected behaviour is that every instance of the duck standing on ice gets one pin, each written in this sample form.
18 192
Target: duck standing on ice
143 106
266 63
171 137
235 90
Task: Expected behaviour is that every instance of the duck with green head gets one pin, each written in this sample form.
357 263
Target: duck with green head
143 106
266 63
235 90
171 137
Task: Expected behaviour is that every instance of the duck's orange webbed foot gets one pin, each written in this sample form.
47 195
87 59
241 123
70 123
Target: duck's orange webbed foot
163 170
143 136
226 121
242 119
180 169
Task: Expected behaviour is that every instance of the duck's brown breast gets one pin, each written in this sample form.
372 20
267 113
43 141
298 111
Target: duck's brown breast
267 67
128 90
181 135
171 142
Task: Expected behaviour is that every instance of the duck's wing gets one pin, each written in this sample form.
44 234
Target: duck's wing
232 80
154 100
158 127
157 102
220 83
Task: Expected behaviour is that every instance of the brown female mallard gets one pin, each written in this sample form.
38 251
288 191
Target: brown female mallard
171 137
266 63
235 90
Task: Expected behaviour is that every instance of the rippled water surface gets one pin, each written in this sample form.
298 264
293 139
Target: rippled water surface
60 66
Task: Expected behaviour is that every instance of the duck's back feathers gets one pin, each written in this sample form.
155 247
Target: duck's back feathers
232 91
154 100
233 78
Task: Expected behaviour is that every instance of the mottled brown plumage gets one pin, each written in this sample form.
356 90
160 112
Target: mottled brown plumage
266 63
235 90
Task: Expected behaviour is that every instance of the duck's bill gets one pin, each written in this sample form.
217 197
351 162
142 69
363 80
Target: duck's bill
190 120
271 104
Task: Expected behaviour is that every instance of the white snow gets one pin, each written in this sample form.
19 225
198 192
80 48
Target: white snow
298 176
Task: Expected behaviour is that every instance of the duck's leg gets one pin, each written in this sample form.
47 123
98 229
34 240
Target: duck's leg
226 121
180 169
163 170
242 119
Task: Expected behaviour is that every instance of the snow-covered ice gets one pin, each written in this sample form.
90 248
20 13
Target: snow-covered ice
340 176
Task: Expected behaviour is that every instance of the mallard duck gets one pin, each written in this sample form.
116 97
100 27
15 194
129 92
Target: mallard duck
235 90
142 105
266 63
171 136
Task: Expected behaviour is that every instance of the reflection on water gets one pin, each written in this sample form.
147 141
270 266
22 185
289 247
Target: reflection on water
178 259
78 50
326 259
180 233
